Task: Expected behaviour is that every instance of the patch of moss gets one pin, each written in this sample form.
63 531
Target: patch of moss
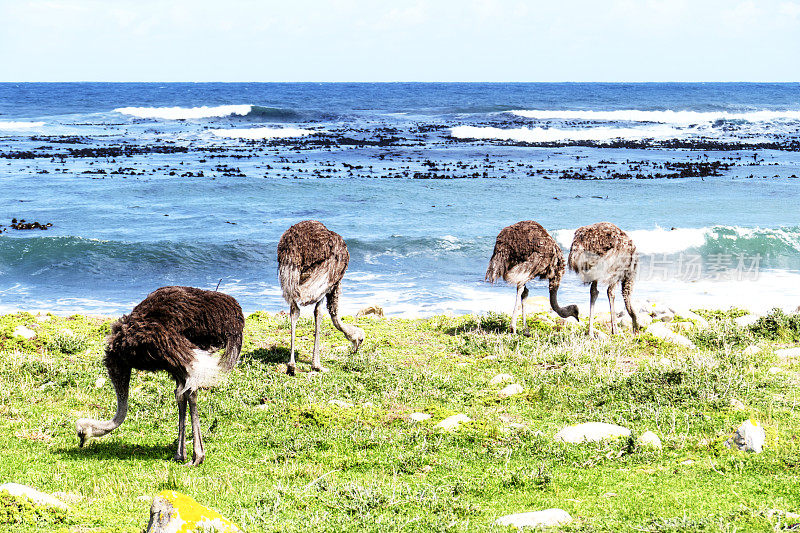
16 510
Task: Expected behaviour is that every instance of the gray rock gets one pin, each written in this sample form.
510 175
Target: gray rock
24 332
452 422
648 438
751 350
340 403
749 437
661 331
534 519
510 390
745 321
591 432
788 353
37 497
501 378
419 417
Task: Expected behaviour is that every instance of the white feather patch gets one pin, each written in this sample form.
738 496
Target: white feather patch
204 372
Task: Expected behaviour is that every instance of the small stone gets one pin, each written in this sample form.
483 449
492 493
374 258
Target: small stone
43 318
172 511
510 390
788 353
452 422
610 495
340 403
648 438
591 432
368 404
665 362
69 497
745 320
751 350
419 417
371 310
534 519
687 462
661 331
501 378
749 437
736 404
37 497
24 332
775 370
99 382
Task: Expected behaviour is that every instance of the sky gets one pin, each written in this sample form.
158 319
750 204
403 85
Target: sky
412 40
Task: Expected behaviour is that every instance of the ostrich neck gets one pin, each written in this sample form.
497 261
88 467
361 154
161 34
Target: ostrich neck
554 301
102 427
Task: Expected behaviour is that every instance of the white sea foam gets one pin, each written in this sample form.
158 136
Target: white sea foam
19 125
262 133
670 117
185 113
534 135
653 241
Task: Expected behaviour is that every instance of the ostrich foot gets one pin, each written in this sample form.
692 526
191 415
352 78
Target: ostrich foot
197 460
179 458
320 369
291 370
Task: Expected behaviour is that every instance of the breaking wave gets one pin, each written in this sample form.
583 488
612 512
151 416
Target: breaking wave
12 125
262 133
538 135
665 117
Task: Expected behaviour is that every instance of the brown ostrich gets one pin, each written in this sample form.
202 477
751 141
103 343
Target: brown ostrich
522 252
174 329
311 263
603 253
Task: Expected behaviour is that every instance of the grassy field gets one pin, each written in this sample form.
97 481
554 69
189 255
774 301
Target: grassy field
281 458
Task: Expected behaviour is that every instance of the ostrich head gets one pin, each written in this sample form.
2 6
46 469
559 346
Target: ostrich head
358 337
86 429
571 310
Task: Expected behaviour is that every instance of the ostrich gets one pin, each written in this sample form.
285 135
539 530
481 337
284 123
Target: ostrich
522 252
603 253
174 329
311 263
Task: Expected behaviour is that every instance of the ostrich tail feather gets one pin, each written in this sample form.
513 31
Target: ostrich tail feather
498 264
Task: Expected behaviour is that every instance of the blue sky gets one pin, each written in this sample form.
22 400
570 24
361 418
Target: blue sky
414 40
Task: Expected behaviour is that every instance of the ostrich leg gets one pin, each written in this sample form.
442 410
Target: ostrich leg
315 361
525 330
611 306
198 453
517 301
627 289
180 398
294 314
593 292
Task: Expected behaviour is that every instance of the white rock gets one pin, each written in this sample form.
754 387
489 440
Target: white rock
452 422
419 417
534 519
501 378
340 403
738 405
43 318
788 353
591 432
99 382
751 350
745 321
648 438
510 390
661 331
24 332
699 321
749 437
38 497
665 362
368 404
775 370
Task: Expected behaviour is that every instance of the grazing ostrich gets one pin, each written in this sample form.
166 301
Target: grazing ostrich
174 329
311 263
525 251
603 253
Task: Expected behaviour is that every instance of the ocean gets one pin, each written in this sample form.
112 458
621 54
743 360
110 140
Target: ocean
141 185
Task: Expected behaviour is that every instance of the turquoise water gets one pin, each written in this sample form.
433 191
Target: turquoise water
418 179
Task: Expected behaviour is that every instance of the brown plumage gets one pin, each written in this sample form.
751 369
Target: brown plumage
522 252
311 264
174 329
603 253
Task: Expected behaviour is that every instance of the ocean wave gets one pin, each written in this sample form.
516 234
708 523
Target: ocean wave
539 135
767 242
19 125
666 117
185 113
262 133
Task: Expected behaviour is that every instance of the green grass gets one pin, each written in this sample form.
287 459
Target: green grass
280 458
